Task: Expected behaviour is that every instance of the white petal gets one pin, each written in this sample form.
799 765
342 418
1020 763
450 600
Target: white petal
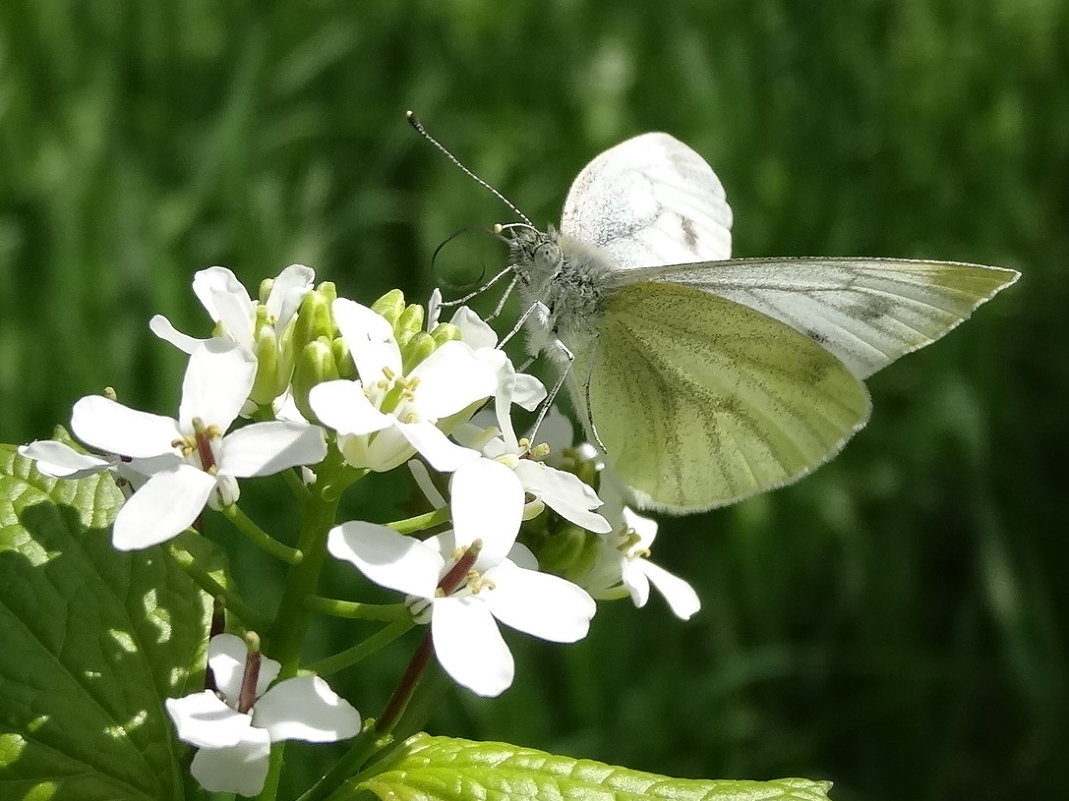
227 655
528 392
216 385
209 282
434 308
633 575
680 596
370 340
539 604
389 559
469 647
240 769
237 315
565 494
305 708
59 460
451 379
203 720
422 476
487 504
112 427
443 454
161 327
473 331
287 292
164 507
343 406
262 449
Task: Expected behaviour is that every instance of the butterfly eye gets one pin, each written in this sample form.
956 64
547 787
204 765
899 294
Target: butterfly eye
547 256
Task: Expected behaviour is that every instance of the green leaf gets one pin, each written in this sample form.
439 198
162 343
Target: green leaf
93 641
444 769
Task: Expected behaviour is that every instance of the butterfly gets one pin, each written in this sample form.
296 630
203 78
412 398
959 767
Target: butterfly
707 379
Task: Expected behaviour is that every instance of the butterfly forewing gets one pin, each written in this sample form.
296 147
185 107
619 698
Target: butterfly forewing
650 200
700 401
867 312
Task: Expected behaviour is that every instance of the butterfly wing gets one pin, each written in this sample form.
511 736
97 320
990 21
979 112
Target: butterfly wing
699 401
867 312
650 201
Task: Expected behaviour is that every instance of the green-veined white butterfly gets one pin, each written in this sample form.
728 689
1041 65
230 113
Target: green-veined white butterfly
707 379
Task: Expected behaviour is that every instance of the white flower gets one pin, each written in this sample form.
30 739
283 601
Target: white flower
562 492
622 562
502 583
386 416
216 384
234 742
228 303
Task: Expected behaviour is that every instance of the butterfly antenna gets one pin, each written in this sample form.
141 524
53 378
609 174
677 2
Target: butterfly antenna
413 120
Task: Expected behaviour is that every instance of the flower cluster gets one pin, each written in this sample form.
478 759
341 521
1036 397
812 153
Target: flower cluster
301 378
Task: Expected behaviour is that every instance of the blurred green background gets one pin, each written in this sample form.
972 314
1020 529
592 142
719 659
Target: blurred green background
898 621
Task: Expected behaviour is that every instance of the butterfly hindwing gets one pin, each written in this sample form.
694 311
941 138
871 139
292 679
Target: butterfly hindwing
700 401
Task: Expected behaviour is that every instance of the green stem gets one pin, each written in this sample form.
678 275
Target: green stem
368 743
285 636
233 602
421 522
352 609
297 487
260 538
363 649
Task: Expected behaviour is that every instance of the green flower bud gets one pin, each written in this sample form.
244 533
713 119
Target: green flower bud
568 550
391 306
343 359
328 290
410 321
314 365
313 319
265 387
419 348
445 332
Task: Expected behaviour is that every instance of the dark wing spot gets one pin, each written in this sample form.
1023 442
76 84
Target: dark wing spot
816 336
689 234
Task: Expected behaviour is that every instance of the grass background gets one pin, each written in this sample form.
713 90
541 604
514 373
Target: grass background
898 621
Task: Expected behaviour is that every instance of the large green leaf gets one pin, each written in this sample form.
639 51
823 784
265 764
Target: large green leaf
444 769
91 643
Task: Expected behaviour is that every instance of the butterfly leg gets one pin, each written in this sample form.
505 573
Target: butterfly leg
569 359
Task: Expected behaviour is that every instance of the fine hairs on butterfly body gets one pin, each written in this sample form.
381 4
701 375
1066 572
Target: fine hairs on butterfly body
707 379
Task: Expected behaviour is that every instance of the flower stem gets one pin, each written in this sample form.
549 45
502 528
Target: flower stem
363 649
188 563
351 609
285 636
367 744
399 700
420 522
260 538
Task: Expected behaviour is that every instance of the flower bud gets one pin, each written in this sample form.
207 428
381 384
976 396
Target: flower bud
314 318
567 550
391 306
409 323
314 365
419 348
445 332
268 384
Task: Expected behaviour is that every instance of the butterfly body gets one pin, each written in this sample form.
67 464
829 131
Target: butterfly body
707 379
